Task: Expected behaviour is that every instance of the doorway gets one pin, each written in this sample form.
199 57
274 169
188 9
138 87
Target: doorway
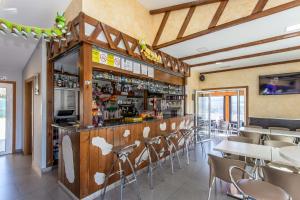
28 117
7 117
222 110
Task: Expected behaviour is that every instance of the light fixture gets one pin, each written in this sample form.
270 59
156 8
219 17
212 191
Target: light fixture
218 63
36 37
2 31
4 25
24 34
15 32
293 28
63 39
11 10
53 33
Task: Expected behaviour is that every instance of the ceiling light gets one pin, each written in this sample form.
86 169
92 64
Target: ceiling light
293 28
53 33
36 37
218 63
24 34
63 39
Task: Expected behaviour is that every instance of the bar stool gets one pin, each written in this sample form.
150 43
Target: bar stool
188 137
150 144
122 153
172 148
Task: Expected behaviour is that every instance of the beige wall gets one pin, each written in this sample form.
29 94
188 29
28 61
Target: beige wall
284 106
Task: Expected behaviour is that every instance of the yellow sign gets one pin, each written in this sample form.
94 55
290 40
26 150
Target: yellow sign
96 56
111 60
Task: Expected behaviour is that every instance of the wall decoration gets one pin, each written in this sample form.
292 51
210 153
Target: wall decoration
126 133
67 153
146 132
99 178
163 126
150 54
58 32
101 143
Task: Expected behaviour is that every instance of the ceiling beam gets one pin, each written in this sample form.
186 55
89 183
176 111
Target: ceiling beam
259 6
242 20
161 27
252 66
186 21
254 43
218 14
183 6
248 56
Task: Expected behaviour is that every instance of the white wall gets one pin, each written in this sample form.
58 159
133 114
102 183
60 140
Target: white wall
37 64
16 75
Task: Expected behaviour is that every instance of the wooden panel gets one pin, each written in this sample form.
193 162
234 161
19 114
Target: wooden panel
162 76
94 155
86 85
84 163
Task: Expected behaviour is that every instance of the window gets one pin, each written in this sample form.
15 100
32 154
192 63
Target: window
217 108
233 109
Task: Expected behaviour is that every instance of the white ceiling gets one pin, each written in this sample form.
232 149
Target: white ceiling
15 52
262 28
156 4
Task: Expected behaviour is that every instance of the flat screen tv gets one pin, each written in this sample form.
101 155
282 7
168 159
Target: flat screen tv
279 84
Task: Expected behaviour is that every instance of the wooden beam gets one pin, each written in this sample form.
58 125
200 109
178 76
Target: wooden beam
161 28
218 14
259 6
254 43
183 6
252 66
186 21
242 20
248 56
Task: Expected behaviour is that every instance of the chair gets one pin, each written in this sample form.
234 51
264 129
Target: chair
256 137
172 148
150 144
243 140
254 126
280 138
240 139
286 180
256 189
279 144
219 168
122 153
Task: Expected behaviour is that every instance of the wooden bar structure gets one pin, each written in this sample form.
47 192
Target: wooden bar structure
85 153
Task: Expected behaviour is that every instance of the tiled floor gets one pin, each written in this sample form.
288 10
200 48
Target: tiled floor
18 181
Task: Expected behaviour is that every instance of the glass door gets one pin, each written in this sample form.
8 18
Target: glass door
5 118
203 111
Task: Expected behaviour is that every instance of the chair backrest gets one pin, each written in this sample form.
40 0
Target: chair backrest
279 128
280 138
240 139
254 136
219 168
286 180
254 126
278 144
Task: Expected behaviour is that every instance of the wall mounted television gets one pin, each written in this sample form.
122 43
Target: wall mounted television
279 84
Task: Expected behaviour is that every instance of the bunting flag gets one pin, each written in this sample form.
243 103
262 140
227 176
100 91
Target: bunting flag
58 32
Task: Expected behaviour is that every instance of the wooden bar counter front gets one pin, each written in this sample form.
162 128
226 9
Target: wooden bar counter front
86 155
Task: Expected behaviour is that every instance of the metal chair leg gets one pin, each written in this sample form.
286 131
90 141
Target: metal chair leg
158 162
136 181
106 180
187 153
150 172
122 180
210 188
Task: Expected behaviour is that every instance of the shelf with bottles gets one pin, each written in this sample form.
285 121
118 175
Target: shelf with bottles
66 81
151 86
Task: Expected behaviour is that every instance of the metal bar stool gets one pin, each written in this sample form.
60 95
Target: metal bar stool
150 144
172 149
188 136
122 153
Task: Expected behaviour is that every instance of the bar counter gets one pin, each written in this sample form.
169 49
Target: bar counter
85 155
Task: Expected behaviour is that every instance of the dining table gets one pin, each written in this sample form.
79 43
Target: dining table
286 156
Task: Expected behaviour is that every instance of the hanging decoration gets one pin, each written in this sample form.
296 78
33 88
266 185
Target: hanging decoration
150 54
58 32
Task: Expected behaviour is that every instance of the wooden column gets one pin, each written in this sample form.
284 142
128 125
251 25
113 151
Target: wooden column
86 71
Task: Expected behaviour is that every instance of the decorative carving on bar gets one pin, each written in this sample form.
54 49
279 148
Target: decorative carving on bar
89 30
